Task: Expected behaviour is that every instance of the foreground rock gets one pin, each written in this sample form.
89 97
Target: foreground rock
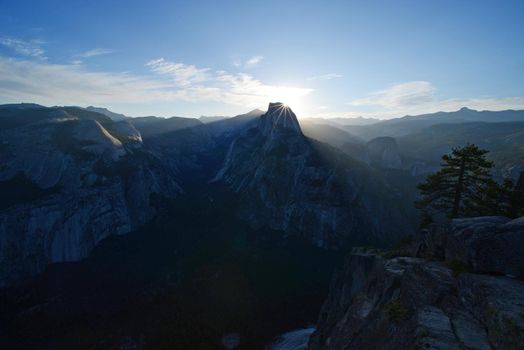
409 303
490 244
377 302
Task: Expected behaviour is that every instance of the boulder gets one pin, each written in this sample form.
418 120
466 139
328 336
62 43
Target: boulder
414 303
488 244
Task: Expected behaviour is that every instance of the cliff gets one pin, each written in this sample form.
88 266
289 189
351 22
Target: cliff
460 289
69 178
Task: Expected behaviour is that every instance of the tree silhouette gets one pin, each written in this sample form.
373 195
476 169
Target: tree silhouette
458 188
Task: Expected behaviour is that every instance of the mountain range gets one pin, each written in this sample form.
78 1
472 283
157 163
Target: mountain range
421 140
103 209
93 174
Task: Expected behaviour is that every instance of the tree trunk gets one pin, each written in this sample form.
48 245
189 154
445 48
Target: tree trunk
458 189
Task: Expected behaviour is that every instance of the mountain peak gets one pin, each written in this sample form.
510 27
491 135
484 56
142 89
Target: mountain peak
279 116
275 106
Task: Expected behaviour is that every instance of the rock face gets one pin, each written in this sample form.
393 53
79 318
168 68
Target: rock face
377 302
488 244
383 152
70 178
127 131
306 188
279 120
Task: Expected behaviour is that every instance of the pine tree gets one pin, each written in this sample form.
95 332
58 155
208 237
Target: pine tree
514 199
458 188
505 199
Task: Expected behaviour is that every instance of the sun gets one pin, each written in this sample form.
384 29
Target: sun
291 97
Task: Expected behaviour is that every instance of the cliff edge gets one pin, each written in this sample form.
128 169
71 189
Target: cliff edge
461 288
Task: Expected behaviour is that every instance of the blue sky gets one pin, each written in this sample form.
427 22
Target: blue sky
324 58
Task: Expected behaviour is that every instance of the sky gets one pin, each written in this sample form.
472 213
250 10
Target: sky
323 58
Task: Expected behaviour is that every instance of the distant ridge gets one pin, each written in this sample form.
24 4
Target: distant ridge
114 116
210 119
410 124
22 105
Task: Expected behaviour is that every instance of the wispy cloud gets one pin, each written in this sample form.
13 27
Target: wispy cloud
47 83
31 48
401 95
418 97
253 61
182 74
248 63
99 51
328 76
221 86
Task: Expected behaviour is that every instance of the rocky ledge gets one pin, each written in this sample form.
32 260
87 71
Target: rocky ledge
457 290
